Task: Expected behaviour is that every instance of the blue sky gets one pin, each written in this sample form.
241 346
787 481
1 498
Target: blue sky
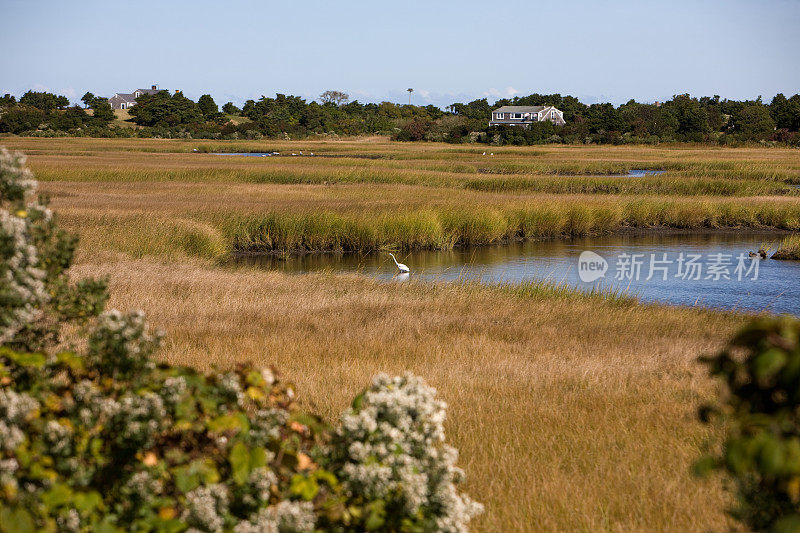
447 51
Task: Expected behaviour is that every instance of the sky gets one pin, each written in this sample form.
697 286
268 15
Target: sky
447 51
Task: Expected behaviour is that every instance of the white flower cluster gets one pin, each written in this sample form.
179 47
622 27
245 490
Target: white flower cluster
141 416
16 181
229 383
70 523
59 437
92 406
173 390
144 487
14 410
284 517
22 284
259 485
395 452
206 507
8 478
123 340
267 423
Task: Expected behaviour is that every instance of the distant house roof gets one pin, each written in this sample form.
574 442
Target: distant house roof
520 109
125 97
148 91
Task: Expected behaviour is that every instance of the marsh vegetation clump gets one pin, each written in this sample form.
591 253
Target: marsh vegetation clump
789 248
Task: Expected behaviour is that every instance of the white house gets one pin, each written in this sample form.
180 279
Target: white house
128 100
524 115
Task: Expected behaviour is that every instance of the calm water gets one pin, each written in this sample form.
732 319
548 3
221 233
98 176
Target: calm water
643 173
712 258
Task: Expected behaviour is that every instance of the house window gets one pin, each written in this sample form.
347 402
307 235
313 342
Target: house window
516 115
498 116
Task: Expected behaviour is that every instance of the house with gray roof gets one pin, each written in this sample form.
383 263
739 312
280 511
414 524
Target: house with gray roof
525 115
128 100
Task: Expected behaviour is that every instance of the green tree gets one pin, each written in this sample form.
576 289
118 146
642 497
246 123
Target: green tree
40 100
753 122
163 110
103 112
207 105
7 100
691 117
786 112
88 99
231 109
336 98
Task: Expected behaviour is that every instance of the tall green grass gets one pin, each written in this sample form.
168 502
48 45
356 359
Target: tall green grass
445 228
789 248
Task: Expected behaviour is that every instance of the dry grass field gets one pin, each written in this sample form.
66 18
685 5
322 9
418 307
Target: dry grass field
571 412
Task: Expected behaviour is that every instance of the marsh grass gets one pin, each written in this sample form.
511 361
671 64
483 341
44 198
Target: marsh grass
563 421
789 248
572 411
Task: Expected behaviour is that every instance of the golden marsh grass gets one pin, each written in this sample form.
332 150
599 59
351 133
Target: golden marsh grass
572 412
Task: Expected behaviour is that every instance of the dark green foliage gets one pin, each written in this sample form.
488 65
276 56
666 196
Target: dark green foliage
231 109
753 121
786 112
88 99
207 105
760 409
7 100
163 110
103 113
683 119
44 100
21 118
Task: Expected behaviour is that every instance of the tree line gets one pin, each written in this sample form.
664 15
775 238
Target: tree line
683 118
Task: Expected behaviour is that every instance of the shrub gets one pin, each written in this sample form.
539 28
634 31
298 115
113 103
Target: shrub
760 411
105 439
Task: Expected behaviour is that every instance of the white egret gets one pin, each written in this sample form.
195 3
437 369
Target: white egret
400 266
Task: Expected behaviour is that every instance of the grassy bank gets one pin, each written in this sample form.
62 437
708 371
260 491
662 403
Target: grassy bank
562 421
210 220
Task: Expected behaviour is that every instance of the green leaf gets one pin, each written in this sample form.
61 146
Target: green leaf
258 457
72 360
357 401
769 363
87 502
16 520
377 516
240 463
305 487
787 524
37 360
770 457
230 422
185 479
58 495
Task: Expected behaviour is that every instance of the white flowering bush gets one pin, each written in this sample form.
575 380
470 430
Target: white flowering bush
391 455
105 439
36 298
